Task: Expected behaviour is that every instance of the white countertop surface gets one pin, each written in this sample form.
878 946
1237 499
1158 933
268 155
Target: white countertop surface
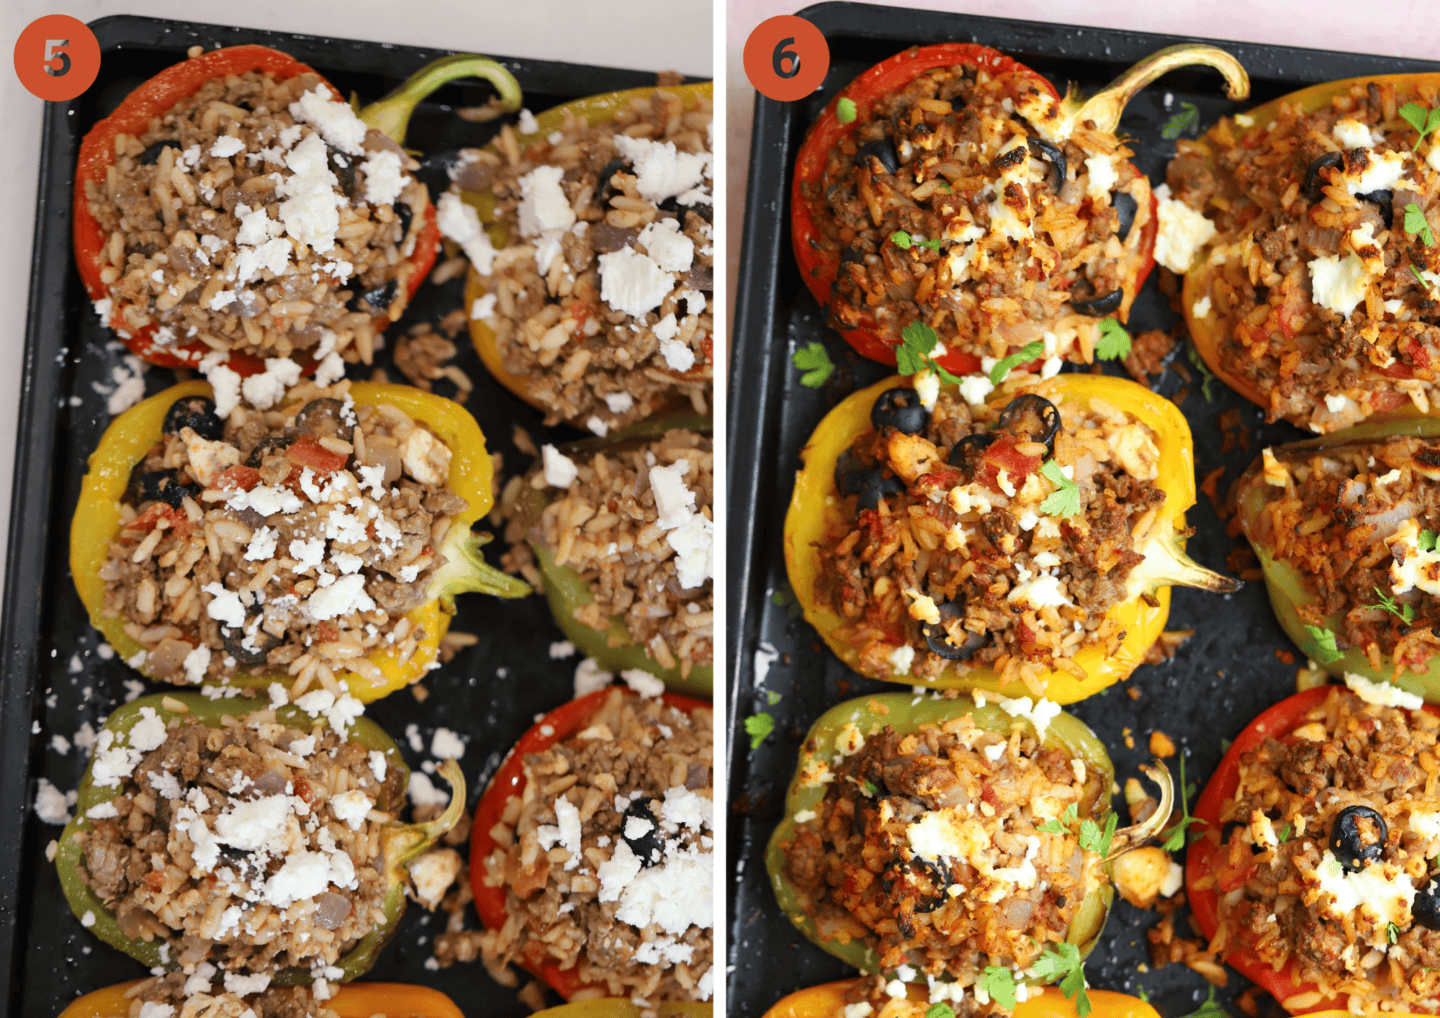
632 34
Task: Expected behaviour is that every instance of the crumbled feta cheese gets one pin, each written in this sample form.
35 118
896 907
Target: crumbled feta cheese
384 178
642 682
667 246
560 470
461 223
1040 715
1201 308
52 806
1382 694
974 389
345 595
446 745
333 118
1101 177
901 659
632 283
1381 172
1339 285
661 170
351 807
543 205
1182 232
483 307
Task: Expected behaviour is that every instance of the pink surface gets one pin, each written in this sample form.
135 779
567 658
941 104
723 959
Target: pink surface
1388 27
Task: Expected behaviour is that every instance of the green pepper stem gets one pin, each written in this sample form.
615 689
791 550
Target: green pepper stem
403 842
391 115
1105 106
1167 565
466 571
1129 838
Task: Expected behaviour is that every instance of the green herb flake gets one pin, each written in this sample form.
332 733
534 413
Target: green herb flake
1325 649
1065 499
1225 745
1061 824
933 245
1114 341
900 239
1176 840
1417 225
758 727
913 353
1423 120
1208 376
1332 868
1426 541
1209 1009
845 111
1392 933
940 1010
778 597
1415 271
1285 832
1064 963
999 982
815 361
1404 612
869 787
1142 993
773 697
1024 355
1179 123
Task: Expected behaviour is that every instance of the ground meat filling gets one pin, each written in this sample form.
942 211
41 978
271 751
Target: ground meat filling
244 849
1291 895
258 216
637 524
601 301
928 848
1322 285
609 855
946 207
1358 524
291 1002
949 552
293 539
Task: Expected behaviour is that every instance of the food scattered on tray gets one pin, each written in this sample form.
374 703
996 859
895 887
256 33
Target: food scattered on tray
592 247
956 844
298 534
1314 295
1017 545
1312 877
236 843
592 858
620 535
954 186
1344 529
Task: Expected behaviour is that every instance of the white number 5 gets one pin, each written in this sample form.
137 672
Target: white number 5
55 49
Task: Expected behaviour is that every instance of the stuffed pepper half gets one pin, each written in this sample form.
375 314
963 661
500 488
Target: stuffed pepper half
1027 544
876 998
954 842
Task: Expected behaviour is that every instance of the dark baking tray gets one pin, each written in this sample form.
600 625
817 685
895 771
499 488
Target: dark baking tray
1217 682
489 694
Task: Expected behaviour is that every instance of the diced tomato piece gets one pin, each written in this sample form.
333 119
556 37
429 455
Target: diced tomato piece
1229 877
1004 454
328 631
243 478
579 311
150 519
306 452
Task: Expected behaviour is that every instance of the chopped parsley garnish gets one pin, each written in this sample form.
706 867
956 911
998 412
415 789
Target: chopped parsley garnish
773 697
1325 649
1061 824
1415 271
913 353
1093 839
1176 841
758 727
999 982
845 111
777 597
1065 499
900 239
1142 993
1180 122
869 787
1209 1009
815 361
940 1010
1285 832
1404 612
1423 120
1114 341
1024 355
1064 963
1417 225
1426 540
1392 933
1208 376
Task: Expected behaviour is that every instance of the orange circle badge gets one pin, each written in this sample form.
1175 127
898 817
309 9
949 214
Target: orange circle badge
57 57
786 58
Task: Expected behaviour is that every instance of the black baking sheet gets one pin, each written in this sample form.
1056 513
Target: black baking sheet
54 677
1217 682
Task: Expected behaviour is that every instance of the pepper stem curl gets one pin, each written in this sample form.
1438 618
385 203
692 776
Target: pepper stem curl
1138 835
466 571
391 115
1167 565
1105 106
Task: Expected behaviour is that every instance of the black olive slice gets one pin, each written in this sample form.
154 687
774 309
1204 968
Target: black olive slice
159 486
196 413
850 473
265 448
1426 907
1046 413
608 190
1313 183
1099 307
1385 202
375 300
649 847
1126 206
900 408
1345 840
344 169
882 149
405 214
1041 149
323 418
962 449
938 640
704 210
152 154
235 640
876 486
